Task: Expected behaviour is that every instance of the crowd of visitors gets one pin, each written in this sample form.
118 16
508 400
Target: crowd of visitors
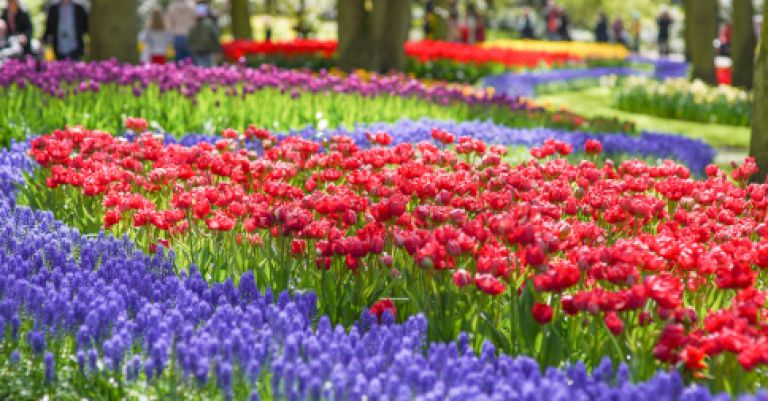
65 27
470 29
187 29
556 27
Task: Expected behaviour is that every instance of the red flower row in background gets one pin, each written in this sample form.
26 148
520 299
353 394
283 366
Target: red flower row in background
634 247
424 51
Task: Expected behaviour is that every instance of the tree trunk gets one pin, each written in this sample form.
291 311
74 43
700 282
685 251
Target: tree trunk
704 17
114 30
390 23
743 46
353 50
241 19
758 145
687 27
373 39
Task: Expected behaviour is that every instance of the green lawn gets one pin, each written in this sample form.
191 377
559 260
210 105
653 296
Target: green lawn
599 101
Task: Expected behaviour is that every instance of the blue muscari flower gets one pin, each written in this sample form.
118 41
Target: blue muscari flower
36 340
15 357
50 367
387 318
603 371
525 84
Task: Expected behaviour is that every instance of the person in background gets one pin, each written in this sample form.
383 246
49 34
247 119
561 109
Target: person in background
562 30
634 31
527 27
664 22
552 15
211 13
4 42
156 39
9 45
65 27
203 38
179 19
430 20
618 31
601 29
475 25
453 30
18 24
725 40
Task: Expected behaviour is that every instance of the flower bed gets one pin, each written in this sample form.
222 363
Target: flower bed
135 329
151 334
581 50
681 99
532 83
426 59
185 98
634 254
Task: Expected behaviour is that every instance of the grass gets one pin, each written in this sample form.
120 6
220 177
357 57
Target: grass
599 101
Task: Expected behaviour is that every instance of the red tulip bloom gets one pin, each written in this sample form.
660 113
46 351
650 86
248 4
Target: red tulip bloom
614 323
462 278
593 147
542 313
383 305
489 284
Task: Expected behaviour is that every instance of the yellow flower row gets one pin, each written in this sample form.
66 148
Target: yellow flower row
578 49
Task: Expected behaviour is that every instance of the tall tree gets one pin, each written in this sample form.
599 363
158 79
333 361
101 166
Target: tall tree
687 30
241 19
758 145
372 33
743 44
701 22
114 30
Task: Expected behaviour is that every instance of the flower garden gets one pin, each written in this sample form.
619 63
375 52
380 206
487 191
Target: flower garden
268 233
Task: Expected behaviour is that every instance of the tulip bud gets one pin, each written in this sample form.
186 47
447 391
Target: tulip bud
386 260
644 318
462 278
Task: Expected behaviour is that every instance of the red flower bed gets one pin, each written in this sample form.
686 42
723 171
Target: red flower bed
236 49
424 51
645 254
434 50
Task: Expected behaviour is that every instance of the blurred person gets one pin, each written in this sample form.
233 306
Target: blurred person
18 24
552 17
527 27
180 17
664 22
211 13
562 31
9 45
601 29
635 27
65 27
453 30
430 20
203 38
725 40
475 28
618 32
156 39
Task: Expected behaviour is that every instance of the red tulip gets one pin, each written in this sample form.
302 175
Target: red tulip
542 313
